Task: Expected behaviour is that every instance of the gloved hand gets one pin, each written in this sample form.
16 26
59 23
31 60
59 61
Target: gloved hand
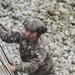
11 67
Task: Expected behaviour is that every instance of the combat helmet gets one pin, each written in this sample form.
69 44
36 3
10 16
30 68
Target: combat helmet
35 24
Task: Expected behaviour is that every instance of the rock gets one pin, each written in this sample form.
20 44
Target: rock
65 56
67 33
73 61
50 10
71 69
0 64
56 54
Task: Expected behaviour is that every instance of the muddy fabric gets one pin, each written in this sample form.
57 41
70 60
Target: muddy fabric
36 60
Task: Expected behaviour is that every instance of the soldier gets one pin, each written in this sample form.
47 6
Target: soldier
36 59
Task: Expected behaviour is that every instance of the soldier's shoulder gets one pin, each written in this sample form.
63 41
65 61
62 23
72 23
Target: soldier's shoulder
44 43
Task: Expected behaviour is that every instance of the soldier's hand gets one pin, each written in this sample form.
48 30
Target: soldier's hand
11 67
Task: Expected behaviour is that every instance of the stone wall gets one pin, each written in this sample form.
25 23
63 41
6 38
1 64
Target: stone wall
57 15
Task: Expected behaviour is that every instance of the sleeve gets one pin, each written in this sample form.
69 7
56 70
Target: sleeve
32 66
10 36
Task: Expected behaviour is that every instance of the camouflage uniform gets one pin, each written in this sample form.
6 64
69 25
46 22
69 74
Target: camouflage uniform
36 60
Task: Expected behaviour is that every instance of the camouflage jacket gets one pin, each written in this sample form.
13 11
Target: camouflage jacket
36 60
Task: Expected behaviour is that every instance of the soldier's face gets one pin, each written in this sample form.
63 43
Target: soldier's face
28 34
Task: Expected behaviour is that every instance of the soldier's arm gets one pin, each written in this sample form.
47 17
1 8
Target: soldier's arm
9 36
32 66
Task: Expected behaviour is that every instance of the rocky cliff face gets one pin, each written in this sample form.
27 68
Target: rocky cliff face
57 15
